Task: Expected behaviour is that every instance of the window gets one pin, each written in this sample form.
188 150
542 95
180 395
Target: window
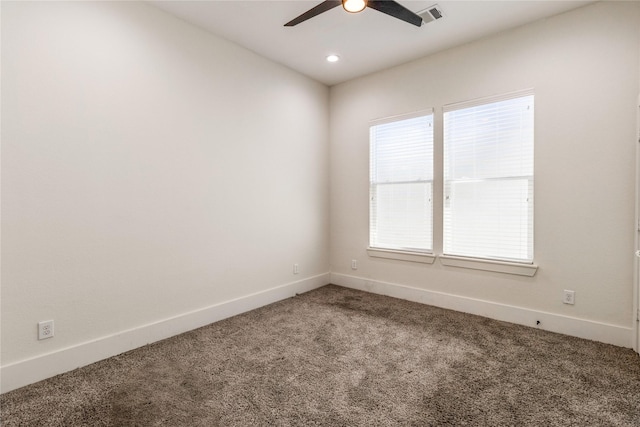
401 183
488 178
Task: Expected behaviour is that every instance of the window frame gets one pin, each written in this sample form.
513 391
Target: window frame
451 256
374 249
501 266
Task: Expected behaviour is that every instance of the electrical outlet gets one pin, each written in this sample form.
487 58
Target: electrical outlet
296 269
354 264
569 297
45 329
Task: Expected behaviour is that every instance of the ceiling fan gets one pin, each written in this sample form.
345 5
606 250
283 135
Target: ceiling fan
388 7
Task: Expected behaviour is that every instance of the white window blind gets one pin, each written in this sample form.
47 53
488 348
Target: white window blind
401 183
488 178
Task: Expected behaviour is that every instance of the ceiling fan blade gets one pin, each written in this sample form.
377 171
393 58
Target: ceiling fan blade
322 7
396 10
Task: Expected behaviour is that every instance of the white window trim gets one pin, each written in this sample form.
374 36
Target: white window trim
482 264
421 257
474 263
399 253
515 268
487 99
404 116
520 269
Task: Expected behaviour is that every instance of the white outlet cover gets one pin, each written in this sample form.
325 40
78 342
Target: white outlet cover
569 297
45 329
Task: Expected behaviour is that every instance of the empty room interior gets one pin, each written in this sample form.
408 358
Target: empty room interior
174 167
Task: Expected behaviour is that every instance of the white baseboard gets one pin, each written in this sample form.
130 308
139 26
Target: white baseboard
587 329
28 371
24 372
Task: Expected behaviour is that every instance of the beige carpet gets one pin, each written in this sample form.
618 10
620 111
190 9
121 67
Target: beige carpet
338 357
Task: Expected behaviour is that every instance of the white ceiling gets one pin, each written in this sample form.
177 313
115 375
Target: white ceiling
366 42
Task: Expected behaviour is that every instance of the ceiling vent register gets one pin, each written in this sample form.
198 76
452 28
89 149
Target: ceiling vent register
430 14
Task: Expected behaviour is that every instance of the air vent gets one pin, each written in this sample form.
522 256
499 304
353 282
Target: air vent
430 14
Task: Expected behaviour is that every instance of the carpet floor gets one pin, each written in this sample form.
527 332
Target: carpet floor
340 357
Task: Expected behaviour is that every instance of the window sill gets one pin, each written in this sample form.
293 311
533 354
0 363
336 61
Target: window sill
420 257
487 265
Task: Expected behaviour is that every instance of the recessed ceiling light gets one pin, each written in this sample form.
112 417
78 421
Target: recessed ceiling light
333 58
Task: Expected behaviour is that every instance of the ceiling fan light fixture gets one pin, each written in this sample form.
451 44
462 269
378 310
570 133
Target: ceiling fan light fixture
354 6
388 7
